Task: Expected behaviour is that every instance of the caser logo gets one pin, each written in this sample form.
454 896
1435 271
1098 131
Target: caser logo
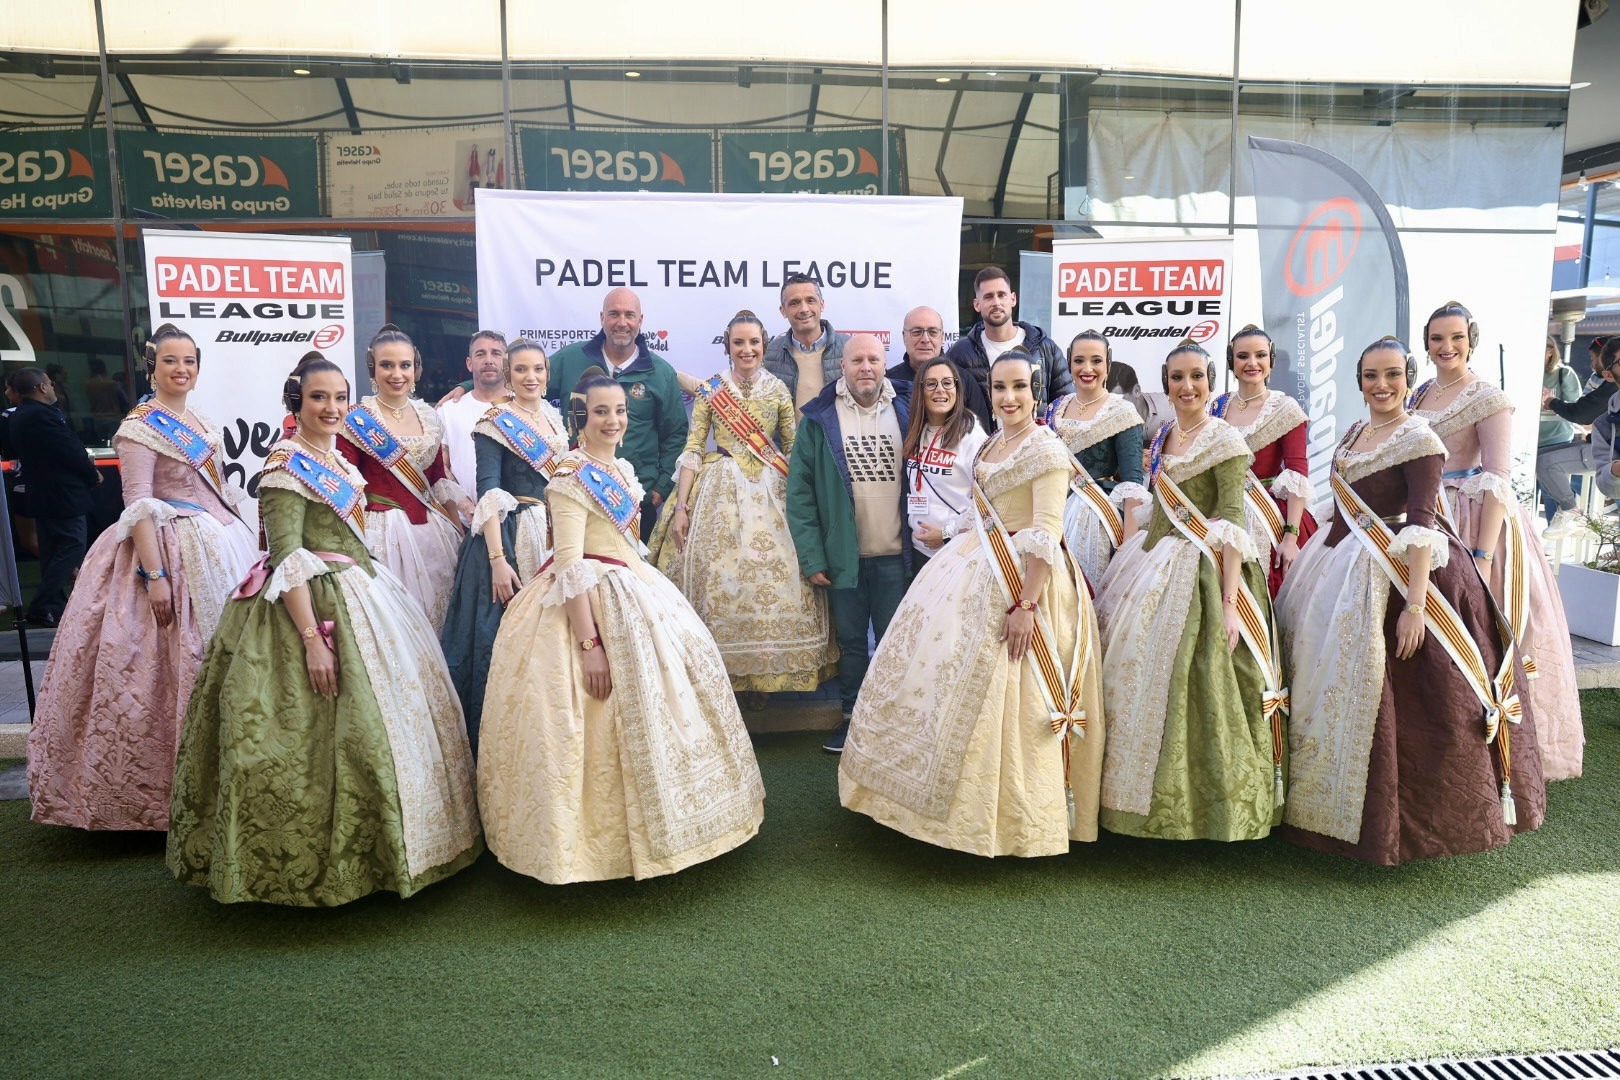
624 167
35 166
826 164
217 170
373 151
1322 247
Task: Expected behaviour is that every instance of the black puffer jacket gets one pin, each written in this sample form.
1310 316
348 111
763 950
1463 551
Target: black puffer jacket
1052 379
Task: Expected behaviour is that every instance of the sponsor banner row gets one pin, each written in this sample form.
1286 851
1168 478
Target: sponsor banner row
416 174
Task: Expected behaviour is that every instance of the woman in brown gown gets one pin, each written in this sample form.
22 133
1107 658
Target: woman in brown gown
1391 750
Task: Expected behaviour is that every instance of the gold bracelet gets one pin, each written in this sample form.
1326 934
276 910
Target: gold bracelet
497 555
1229 598
1415 609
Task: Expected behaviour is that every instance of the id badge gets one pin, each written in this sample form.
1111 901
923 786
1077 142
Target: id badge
917 505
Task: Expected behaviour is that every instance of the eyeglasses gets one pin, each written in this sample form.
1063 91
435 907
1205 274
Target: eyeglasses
939 384
920 332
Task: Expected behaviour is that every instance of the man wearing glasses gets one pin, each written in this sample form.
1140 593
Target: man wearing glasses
924 337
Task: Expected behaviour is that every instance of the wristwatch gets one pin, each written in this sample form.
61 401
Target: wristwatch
591 643
1022 605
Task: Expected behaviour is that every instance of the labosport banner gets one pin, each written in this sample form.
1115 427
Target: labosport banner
45 174
556 159
1334 280
1144 296
255 304
181 175
417 174
847 162
547 260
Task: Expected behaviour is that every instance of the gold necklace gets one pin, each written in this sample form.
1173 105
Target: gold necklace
1441 387
1084 404
399 413
1258 397
599 461
744 388
1187 432
1008 436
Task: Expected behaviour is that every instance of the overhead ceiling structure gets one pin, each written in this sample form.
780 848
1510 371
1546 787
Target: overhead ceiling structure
982 102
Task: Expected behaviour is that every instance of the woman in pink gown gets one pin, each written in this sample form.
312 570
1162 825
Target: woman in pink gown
1475 420
101 751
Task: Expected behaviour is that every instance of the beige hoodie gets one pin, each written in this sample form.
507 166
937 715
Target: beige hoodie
872 441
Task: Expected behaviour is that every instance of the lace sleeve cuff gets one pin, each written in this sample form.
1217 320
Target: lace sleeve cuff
689 459
1416 536
1130 490
1488 483
960 523
1291 484
494 506
299 568
156 511
1223 534
1144 514
447 490
1037 543
573 579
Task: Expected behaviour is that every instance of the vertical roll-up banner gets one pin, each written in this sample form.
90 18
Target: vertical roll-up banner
1334 280
255 304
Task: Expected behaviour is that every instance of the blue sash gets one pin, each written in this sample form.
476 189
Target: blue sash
524 441
192 446
611 496
370 435
1417 395
326 486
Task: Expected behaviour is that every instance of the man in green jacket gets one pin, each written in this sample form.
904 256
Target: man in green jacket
846 512
656 433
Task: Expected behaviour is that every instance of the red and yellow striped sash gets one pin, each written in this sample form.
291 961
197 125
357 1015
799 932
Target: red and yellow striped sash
1097 500
741 424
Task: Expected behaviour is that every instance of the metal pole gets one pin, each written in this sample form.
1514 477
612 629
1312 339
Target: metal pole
884 180
1586 232
506 104
28 671
114 174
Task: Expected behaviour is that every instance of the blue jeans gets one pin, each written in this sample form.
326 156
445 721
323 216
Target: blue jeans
870 603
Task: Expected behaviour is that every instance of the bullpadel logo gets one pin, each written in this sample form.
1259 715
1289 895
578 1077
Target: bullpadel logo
1322 247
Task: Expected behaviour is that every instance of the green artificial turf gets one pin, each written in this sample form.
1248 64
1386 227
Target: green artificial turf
829 946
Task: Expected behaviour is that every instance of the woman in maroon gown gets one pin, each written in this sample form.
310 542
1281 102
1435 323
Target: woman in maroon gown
1397 752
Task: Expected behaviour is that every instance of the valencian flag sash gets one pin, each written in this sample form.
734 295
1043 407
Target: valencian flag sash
524 441
325 484
1060 690
607 493
1258 632
1096 499
190 444
741 424
1254 490
362 428
1515 565
1442 621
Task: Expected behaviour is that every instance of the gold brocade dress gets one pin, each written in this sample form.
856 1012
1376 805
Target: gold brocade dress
654 779
951 742
739 568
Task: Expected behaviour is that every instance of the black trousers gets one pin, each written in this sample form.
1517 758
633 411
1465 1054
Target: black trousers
62 543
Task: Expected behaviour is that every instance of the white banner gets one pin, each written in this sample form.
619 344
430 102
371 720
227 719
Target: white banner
254 303
417 174
1145 296
547 259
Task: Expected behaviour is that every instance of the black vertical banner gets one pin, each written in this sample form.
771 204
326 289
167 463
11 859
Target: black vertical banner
1333 281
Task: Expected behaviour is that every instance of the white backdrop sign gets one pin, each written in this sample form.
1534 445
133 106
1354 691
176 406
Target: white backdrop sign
547 259
254 303
1144 296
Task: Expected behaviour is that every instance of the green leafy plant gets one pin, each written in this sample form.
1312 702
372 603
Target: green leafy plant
1605 530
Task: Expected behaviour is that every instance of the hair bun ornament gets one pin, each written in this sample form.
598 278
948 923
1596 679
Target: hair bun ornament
744 313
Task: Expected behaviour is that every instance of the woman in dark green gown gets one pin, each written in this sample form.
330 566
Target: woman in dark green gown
518 444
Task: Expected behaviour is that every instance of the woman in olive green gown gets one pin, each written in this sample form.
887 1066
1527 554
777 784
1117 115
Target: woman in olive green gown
1191 751
323 755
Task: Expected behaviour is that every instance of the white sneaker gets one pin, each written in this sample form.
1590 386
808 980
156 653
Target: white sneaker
1564 525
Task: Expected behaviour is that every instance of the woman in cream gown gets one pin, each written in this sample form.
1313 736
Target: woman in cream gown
611 745
1475 420
952 739
725 541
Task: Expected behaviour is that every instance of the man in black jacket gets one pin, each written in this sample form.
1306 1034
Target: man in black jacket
924 335
996 332
60 475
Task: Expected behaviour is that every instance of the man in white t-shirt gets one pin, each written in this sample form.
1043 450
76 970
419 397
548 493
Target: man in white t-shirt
486 360
995 333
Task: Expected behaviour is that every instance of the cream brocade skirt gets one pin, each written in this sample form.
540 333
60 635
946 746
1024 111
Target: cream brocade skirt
1089 541
741 573
423 557
950 743
658 777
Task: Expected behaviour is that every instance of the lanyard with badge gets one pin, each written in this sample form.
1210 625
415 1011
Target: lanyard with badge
917 500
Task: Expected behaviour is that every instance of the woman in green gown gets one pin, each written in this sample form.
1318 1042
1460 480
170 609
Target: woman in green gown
323 755
1189 684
